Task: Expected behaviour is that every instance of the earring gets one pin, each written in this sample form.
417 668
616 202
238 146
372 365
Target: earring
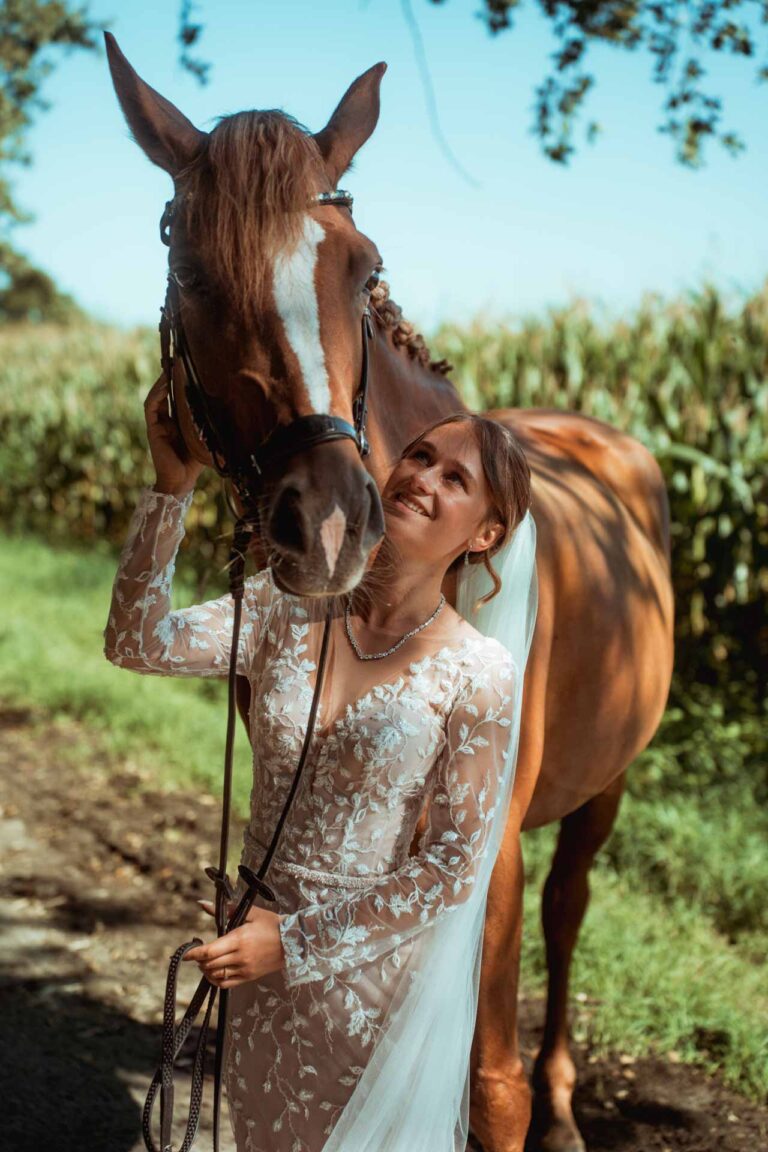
466 558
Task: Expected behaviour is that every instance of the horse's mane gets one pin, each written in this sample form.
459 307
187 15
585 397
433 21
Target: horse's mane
243 200
404 335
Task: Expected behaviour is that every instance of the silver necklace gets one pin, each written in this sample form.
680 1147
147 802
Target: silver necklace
400 642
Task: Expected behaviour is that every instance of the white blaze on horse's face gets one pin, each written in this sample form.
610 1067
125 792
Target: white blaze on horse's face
332 532
296 300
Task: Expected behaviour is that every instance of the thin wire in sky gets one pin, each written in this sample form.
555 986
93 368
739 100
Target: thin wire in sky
422 64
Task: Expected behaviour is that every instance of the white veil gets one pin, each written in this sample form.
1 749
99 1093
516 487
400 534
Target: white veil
413 1095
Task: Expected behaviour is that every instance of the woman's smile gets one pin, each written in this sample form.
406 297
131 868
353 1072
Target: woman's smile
411 504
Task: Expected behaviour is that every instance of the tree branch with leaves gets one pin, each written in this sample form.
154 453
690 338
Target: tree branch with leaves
680 36
29 31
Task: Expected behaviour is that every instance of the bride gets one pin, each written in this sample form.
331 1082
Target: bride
352 1008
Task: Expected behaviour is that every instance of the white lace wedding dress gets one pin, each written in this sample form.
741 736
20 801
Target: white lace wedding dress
430 732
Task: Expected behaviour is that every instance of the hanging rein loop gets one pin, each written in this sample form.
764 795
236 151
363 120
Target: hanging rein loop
247 478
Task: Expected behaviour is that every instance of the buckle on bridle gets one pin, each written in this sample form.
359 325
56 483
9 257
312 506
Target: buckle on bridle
337 196
165 222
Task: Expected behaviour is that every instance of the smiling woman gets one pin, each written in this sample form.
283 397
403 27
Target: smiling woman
506 475
351 1007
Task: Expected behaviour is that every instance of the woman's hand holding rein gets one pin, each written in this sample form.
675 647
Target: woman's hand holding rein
176 470
253 950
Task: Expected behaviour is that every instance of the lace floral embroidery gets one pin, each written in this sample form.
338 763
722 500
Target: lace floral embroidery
355 904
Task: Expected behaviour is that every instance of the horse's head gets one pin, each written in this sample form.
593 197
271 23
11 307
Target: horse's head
269 285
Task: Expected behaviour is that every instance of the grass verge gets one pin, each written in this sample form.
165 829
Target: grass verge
54 609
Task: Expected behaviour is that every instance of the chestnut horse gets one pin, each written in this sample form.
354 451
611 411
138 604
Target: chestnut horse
273 286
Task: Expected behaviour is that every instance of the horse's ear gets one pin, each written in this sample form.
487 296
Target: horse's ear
164 133
352 123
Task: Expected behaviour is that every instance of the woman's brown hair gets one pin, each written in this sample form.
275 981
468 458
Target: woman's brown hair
508 476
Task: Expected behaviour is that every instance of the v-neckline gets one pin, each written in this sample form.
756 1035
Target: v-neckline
324 731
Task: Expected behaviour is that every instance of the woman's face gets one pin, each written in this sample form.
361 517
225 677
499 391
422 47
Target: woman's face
436 500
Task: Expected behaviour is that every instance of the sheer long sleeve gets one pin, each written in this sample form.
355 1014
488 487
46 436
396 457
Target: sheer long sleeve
142 631
322 940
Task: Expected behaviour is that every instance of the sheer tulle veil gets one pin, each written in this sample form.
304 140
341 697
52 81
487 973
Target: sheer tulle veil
413 1095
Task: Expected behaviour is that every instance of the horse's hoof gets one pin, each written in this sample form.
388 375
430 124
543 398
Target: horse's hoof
559 1135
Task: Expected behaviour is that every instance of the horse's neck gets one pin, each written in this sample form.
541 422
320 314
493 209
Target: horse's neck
403 398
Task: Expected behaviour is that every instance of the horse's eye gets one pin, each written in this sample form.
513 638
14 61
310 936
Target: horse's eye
188 279
373 280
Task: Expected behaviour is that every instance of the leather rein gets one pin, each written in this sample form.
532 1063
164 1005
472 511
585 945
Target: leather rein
246 474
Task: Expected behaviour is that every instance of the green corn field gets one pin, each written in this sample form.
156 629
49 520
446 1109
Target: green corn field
689 378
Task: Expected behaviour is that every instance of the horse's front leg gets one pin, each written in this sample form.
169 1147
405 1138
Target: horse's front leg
564 903
500 1099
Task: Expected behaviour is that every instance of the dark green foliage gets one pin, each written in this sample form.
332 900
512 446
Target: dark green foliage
681 37
27 293
29 31
697 823
33 34
188 35
73 452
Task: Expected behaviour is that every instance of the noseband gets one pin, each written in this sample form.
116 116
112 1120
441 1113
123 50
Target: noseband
247 472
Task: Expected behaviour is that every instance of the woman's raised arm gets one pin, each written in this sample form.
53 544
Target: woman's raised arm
142 631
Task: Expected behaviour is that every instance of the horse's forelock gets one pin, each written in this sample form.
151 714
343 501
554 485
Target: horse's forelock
245 197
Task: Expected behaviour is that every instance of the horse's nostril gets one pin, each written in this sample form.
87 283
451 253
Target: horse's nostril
374 526
286 521
299 518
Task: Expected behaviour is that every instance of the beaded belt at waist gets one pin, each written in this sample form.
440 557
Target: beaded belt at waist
314 875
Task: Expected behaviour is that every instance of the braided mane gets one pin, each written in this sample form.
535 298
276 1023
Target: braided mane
390 316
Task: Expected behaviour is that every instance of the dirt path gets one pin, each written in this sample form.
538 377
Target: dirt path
98 877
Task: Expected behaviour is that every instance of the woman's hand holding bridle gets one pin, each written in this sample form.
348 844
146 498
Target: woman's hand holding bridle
177 471
246 953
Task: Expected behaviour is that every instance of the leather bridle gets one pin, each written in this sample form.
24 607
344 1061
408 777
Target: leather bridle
247 470
247 476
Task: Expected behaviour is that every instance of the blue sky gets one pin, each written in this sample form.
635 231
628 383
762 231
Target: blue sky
622 219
